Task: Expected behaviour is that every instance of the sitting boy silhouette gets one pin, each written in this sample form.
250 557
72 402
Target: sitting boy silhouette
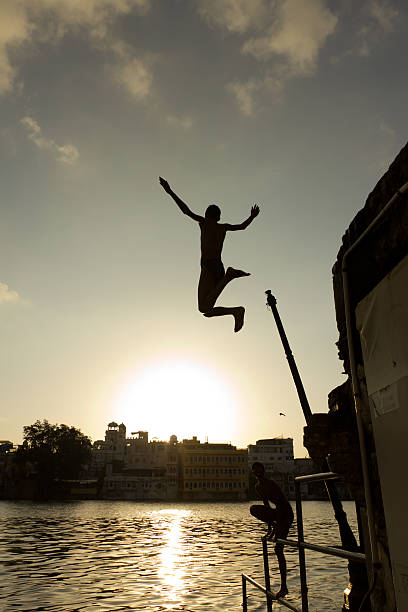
213 278
278 519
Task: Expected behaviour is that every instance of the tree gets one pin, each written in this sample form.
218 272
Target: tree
58 451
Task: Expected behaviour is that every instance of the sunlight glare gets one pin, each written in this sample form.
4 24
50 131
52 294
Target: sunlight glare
177 397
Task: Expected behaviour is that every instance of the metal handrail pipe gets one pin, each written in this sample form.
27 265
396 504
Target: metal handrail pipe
374 556
269 594
286 604
255 583
327 550
317 477
301 551
244 594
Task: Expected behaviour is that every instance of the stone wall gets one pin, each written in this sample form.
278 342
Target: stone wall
334 434
383 248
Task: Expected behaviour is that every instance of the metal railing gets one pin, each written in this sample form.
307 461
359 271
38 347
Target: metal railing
301 545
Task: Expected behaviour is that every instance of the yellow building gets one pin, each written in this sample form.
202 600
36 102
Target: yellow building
212 471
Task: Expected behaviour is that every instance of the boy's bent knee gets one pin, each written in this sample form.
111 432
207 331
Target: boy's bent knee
202 308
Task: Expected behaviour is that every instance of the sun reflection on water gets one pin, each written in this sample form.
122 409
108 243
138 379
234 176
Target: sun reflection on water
172 567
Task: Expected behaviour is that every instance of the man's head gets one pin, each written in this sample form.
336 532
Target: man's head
213 212
258 469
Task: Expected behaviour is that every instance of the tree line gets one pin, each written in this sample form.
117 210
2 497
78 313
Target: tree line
55 451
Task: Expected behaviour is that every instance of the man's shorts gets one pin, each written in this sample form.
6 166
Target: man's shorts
215 267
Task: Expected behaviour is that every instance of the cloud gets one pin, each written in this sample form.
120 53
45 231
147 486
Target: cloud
14 30
184 123
132 73
234 15
284 36
94 15
244 94
135 76
67 154
292 29
299 30
383 14
245 91
380 17
27 21
7 295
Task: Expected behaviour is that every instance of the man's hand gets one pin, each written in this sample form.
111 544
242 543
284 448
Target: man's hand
164 184
254 211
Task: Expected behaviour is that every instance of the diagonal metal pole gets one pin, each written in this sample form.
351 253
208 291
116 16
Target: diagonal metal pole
347 537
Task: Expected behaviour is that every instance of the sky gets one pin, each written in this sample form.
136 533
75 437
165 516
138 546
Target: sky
298 106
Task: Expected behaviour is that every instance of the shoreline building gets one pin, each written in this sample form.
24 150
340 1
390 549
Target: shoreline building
134 468
212 471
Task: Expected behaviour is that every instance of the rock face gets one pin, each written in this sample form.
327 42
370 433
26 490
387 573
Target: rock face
380 251
335 434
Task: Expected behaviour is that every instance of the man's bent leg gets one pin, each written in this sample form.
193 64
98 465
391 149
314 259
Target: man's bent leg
209 288
264 514
282 569
208 293
230 274
282 531
238 312
206 286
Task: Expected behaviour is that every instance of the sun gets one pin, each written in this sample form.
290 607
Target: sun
178 397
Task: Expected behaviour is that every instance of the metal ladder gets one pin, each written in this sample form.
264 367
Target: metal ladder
301 545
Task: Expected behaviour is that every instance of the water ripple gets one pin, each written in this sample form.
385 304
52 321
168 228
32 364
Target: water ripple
97 556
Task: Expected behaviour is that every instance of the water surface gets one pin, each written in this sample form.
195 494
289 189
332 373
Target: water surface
183 557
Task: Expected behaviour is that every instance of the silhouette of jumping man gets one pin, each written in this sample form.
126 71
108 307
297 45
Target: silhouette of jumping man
213 278
279 519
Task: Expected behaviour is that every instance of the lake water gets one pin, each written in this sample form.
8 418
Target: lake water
182 557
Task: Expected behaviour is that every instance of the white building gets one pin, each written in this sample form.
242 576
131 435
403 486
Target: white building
111 449
135 468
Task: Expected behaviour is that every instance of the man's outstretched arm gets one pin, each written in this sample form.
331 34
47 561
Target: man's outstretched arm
244 224
182 205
